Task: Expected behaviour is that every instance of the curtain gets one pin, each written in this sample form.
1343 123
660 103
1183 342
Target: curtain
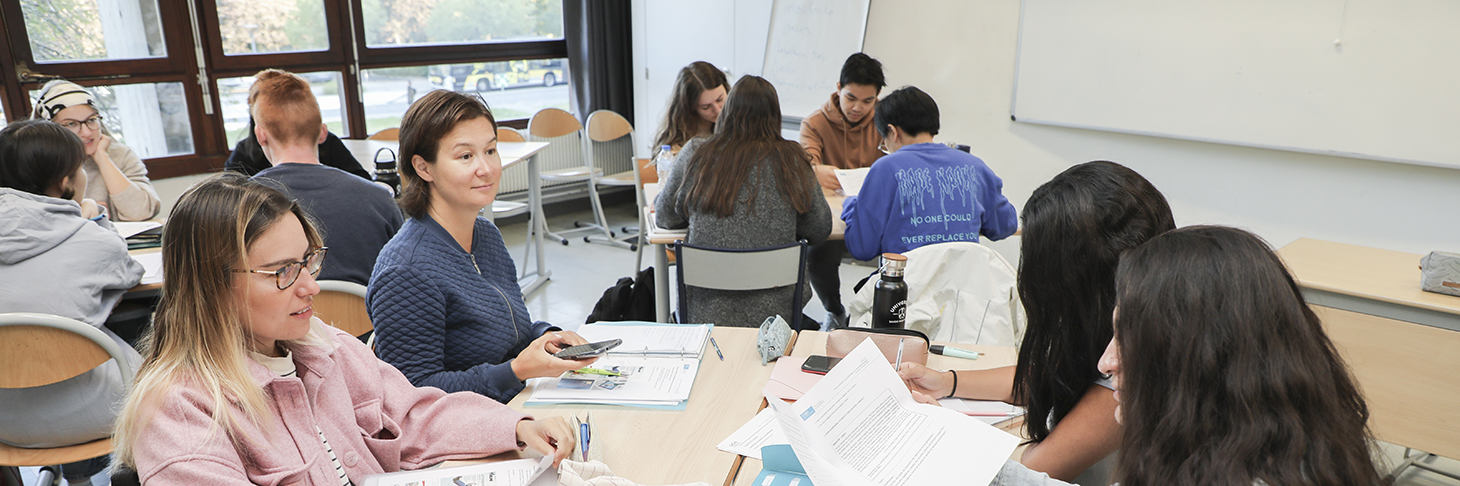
600 56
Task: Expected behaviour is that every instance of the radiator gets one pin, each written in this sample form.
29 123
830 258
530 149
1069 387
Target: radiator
567 152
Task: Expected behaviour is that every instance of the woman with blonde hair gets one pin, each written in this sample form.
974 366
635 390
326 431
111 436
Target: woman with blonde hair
694 106
115 175
241 383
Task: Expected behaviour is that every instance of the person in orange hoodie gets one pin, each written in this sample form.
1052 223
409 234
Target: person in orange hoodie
840 135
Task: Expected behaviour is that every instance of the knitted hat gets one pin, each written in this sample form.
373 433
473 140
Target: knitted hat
60 94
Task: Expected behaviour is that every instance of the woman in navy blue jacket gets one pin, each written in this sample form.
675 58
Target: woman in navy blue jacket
443 297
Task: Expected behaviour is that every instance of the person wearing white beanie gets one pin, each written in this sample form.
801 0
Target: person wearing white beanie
115 175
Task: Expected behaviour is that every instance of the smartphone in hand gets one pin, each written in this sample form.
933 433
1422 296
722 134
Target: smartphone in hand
590 350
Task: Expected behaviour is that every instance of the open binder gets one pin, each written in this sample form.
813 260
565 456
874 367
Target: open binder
655 367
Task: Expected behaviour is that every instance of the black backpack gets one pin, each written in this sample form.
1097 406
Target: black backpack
627 300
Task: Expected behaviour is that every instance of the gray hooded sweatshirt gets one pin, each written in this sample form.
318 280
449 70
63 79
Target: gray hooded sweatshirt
53 261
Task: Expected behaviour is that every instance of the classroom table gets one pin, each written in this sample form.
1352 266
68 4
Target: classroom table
655 447
1400 342
814 342
512 153
661 238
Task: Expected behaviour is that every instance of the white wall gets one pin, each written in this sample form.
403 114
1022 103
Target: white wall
963 52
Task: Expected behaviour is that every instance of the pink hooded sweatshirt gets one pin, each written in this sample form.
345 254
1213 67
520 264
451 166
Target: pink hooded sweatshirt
374 419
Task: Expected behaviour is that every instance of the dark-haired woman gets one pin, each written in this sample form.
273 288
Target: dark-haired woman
443 297
694 105
1075 228
744 187
53 260
1223 374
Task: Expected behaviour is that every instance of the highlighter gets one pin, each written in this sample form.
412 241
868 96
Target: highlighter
954 352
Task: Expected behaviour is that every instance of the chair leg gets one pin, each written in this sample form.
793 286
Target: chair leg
48 476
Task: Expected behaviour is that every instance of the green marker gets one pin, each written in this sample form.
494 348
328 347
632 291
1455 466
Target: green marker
596 371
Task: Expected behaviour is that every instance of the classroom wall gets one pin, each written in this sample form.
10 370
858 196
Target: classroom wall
963 53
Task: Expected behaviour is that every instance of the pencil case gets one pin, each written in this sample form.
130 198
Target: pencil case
1440 273
914 343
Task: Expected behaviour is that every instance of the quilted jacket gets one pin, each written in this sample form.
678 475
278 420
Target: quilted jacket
447 318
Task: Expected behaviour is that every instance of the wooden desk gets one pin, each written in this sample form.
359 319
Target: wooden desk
511 153
672 447
1403 344
661 239
814 342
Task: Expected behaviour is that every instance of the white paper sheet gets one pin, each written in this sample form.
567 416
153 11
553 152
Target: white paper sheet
680 340
861 414
129 228
520 472
851 179
153 263
759 432
645 379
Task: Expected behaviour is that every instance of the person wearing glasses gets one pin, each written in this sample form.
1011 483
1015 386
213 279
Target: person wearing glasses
53 260
242 384
444 297
922 192
358 216
115 175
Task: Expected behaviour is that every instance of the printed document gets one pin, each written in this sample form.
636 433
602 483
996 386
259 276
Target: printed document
851 179
520 472
860 425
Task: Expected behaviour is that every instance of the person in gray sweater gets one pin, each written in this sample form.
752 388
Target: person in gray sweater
744 187
55 261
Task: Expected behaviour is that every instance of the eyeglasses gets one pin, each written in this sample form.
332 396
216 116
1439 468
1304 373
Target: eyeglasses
93 123
883 146
286 276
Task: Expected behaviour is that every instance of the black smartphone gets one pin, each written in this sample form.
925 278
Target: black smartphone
819 364
590 350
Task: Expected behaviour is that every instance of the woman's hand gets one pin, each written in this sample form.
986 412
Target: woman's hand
103 142
551 436
926 381
538 360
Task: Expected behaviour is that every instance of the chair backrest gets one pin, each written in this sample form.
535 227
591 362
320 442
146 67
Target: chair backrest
959 292
552 123
610 142
391 134
736 269
41 349
342 304
509 134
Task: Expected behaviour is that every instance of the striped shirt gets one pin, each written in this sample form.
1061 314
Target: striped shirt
284 367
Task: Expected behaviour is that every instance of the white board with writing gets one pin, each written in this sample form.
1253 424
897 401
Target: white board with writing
808 42
1372 79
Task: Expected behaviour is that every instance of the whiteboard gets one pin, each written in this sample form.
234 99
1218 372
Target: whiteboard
1373 79
808 42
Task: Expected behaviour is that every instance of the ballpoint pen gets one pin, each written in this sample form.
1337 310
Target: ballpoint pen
717 348
898 365
583 439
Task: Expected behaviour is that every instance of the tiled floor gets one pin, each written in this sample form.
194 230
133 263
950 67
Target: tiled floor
581 272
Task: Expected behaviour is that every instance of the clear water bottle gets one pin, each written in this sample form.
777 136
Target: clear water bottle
889 298
662 162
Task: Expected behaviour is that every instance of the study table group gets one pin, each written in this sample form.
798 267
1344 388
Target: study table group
1399 340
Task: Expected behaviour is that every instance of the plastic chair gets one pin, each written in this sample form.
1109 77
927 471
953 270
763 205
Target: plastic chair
610 137
559 127
41 349
389 134
342 304
737 269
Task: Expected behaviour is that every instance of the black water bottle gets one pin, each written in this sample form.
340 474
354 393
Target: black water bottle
889 300
385 172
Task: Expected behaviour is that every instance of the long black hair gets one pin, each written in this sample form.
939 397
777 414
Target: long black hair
1226 375
1075 228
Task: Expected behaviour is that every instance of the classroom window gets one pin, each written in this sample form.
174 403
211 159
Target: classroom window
513 89
80 30
405 22
326 86
271 26
150 118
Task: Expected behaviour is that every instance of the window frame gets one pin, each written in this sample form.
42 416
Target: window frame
347 55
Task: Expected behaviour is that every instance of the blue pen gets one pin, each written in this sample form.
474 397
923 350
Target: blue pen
717 349
583 439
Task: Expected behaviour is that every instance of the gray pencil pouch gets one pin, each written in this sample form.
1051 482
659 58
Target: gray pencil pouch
1440 273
